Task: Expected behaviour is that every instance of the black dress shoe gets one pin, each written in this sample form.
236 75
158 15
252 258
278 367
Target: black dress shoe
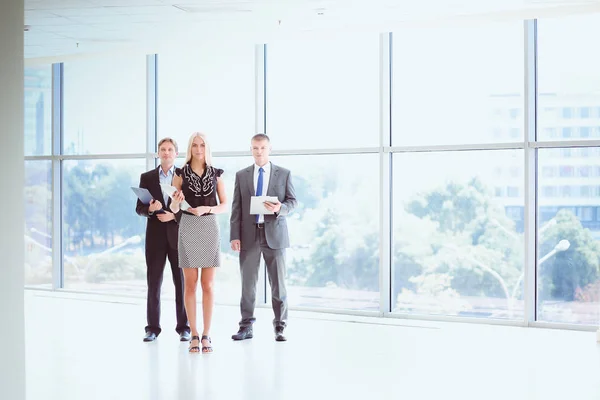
184 336
150 337
243 333
279 334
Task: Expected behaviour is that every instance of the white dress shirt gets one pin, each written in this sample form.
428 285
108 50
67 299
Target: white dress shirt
266 176
166 179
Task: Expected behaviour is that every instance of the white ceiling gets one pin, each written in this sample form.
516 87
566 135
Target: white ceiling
70 27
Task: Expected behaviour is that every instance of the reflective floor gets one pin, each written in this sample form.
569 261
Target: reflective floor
90 347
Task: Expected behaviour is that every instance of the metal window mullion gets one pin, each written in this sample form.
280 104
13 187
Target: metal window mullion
385 173
151 109
458 147
566 144
530 208
58 277
260 118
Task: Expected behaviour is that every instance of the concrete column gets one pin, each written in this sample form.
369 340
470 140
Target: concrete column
12 327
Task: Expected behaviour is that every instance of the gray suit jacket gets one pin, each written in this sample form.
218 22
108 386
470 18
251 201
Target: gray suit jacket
243 224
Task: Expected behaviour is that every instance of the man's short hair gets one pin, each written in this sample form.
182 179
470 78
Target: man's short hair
260 136
170 140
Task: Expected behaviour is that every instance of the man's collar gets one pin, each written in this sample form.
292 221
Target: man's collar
266 167
169 172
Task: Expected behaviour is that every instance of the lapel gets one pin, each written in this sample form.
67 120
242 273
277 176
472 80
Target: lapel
154 188
250 180
272 177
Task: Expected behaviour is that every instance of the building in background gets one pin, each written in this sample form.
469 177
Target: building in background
569 178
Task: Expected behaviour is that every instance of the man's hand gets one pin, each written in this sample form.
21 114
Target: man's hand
275 207
236 245
154 206
166 216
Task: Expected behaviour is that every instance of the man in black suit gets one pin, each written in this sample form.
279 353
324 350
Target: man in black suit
161 242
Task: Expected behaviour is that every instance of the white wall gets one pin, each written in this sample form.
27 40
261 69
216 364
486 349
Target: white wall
12 331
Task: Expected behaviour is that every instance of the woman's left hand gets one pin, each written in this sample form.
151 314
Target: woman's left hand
199 210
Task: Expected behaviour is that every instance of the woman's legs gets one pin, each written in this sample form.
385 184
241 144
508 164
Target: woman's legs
190 276
207 281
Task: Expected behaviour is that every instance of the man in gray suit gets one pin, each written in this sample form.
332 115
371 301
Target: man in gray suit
252 235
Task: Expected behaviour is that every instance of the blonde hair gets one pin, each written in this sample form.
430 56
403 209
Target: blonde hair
207 152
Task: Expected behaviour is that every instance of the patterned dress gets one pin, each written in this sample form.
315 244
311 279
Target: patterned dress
199 236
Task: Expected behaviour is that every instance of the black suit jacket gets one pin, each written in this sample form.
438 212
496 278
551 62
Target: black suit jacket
157 233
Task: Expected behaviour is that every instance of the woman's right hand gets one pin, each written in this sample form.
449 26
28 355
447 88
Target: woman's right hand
177 198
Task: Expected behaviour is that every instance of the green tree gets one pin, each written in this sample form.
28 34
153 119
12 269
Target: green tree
77 210
343 257
99 206
322 267
573 269
474 241
477 246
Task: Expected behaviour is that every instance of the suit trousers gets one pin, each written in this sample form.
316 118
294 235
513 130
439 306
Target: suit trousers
156 257
249 267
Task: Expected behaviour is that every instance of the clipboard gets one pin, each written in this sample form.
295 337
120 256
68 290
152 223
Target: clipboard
143 194
257 206
145 197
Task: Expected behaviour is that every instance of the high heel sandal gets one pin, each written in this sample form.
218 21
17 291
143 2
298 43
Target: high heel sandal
194 349
207 349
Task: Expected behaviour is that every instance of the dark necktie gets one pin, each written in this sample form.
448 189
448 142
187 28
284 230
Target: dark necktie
259 186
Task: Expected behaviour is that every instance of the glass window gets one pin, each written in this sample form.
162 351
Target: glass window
566 171
567 70
210 90
566 191
333 261
567 132
549 191
38 110
515 133
38 223
586 191
103 237
584 131
514 213
569 250
105 105
457 248
587 214
334 258
550 132
585 152
584 170
448 93
549 171
512 191
324 93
